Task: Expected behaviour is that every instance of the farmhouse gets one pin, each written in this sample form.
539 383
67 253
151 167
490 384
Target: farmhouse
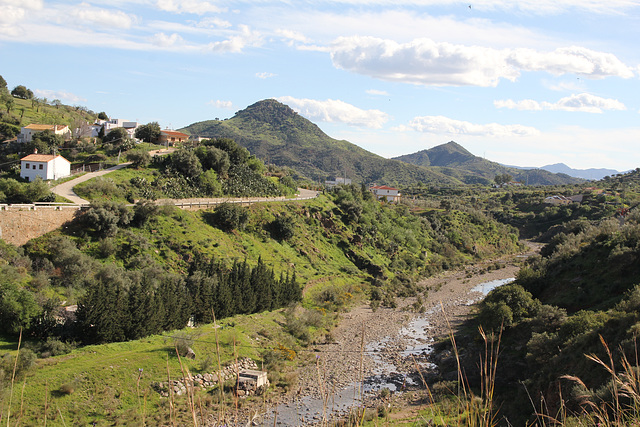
171 137
383 192
45 166
558 200
27 132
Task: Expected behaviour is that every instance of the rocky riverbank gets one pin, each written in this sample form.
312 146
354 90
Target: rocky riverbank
368 341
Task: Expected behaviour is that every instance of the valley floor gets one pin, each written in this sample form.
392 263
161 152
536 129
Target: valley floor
344 362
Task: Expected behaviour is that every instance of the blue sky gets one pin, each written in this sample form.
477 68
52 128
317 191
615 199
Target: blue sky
524 83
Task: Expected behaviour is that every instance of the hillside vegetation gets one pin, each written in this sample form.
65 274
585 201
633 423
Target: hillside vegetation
275 133
571 307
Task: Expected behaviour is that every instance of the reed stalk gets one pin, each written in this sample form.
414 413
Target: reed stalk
13 377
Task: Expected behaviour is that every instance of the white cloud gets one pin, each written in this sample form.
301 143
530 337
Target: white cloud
582 102
58 94
86 14
333 110
292 36
445 125
538 7
377 92
221 104
265 75
213 23
573 59
236 43
188 6
426 62
12 12
164 41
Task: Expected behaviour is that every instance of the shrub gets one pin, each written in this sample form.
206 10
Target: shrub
283 227
139 158
228 217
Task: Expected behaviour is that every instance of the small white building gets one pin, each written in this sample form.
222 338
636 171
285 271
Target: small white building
383 192
338 181
45 166
27 132
111 124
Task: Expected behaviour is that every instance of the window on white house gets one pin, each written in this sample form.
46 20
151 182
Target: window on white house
26 165
39 166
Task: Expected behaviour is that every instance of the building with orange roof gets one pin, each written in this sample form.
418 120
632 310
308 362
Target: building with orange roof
45 166
172 137
384 192
27 132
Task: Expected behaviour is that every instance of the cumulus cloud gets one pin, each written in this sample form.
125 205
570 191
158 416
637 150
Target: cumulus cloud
573 59
221 104
58 94
188 6
445 125
333 110
582 102
426 62
87 14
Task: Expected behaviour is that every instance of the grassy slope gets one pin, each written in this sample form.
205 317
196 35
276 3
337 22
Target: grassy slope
104 377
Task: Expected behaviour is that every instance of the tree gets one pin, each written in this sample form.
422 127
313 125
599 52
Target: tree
139 158
117 137
502 179
22 92
149 132
103 116
3 83
186 163
229 217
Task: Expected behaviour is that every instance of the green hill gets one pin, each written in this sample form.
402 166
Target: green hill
275 133
453 155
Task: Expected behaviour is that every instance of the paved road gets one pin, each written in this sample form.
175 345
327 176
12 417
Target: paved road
66 188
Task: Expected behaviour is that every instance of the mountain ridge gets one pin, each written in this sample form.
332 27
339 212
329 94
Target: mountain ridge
275 133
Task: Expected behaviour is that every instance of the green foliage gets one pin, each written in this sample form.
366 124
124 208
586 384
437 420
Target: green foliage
229 216
12 191
140 158
507 305
149 132
210 184
22 92
283 227
104 218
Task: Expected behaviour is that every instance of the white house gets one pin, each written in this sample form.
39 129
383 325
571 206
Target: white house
27 132
338 181
383 192
108 125
46 166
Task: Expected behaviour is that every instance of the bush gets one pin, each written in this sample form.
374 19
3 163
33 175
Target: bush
139 158
283 227
228 217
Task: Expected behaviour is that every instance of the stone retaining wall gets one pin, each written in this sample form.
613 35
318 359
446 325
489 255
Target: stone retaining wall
21 223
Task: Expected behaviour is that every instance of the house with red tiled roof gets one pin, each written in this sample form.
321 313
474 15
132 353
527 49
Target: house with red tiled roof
27 132
384 192
45 166
172 137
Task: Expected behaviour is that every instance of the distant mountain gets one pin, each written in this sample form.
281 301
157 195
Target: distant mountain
276 134
591 174
454 156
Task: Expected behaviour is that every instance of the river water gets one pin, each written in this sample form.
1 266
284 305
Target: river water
417 342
